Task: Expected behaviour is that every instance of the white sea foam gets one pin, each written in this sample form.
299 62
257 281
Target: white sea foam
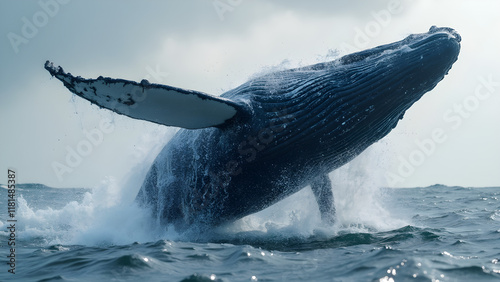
93 221
107 215
361 205
360 200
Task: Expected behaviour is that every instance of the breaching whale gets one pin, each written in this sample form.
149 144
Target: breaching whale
275 134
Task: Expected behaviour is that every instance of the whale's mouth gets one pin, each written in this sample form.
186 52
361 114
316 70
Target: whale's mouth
434 38
412 42
450 32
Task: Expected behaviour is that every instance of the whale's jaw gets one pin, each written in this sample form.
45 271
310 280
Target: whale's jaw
336 110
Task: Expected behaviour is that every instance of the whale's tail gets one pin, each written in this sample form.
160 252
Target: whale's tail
156 103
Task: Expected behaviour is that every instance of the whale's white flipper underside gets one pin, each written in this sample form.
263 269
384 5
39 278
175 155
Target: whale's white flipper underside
157 103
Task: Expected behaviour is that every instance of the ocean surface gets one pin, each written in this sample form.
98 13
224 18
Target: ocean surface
419 234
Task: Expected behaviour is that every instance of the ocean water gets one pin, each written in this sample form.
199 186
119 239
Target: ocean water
420 234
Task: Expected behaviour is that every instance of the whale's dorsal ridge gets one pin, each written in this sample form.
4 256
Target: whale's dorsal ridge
161 104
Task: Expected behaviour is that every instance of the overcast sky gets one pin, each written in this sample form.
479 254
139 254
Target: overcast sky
451 136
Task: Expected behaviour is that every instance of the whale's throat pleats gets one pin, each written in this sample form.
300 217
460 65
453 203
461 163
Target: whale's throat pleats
326 112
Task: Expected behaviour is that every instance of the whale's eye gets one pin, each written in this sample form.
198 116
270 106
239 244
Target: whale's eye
360 56
352 58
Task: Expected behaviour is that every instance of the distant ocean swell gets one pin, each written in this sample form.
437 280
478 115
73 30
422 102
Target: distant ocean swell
422 234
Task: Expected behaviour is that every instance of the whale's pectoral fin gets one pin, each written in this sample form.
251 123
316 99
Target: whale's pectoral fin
322 189
157 103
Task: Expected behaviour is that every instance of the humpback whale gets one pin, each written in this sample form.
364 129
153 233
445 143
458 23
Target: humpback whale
254 145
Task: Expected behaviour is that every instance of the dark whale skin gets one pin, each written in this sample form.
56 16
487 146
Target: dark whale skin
296 126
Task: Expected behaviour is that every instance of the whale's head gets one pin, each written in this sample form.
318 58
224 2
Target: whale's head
375 87
340 108
412 66
388 79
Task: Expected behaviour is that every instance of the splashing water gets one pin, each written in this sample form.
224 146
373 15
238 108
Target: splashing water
360 200
361 204
107 215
